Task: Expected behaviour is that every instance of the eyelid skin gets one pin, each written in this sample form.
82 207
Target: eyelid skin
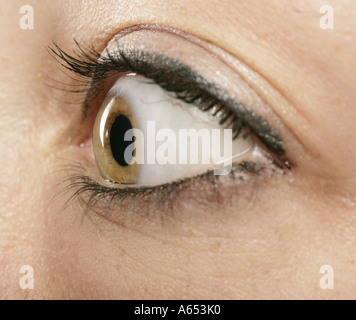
200 63
151 48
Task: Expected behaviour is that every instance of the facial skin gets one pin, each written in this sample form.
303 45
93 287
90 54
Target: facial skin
266 239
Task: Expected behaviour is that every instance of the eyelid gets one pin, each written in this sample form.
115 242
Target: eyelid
153 65
150 50
103 199
217 68
204 66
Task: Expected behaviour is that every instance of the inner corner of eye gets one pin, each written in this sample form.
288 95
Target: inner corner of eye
144 136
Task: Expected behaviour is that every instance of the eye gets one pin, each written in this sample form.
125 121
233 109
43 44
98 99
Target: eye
162 110
143 135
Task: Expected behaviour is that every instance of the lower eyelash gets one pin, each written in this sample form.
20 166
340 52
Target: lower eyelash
204 189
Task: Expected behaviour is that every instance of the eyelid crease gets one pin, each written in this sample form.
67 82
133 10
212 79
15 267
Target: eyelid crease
96 68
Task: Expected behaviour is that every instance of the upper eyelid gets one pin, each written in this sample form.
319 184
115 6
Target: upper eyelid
257 124
168 38
91 65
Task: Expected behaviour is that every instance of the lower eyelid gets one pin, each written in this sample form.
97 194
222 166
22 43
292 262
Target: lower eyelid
201 192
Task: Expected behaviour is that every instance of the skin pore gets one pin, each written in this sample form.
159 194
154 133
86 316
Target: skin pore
264 238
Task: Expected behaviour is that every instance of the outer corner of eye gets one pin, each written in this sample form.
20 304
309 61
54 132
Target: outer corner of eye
114 142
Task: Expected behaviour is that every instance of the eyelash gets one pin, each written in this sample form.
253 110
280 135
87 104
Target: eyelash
93 71
160 199
89 66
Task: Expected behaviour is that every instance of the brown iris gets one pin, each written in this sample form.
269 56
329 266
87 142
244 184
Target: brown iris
112 122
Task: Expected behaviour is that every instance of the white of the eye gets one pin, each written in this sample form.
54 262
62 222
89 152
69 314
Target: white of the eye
163 121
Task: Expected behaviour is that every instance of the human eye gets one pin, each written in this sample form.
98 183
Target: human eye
163 110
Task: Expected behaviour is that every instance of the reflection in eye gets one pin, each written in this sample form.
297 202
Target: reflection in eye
175 139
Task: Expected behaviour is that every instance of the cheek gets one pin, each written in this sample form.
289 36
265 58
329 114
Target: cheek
91 257
251 245
76 253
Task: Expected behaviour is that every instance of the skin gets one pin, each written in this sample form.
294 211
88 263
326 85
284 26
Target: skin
268 238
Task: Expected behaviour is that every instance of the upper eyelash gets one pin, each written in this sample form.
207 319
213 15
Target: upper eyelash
90 66
193 88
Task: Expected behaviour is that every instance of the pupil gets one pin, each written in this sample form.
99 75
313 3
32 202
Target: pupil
117 142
